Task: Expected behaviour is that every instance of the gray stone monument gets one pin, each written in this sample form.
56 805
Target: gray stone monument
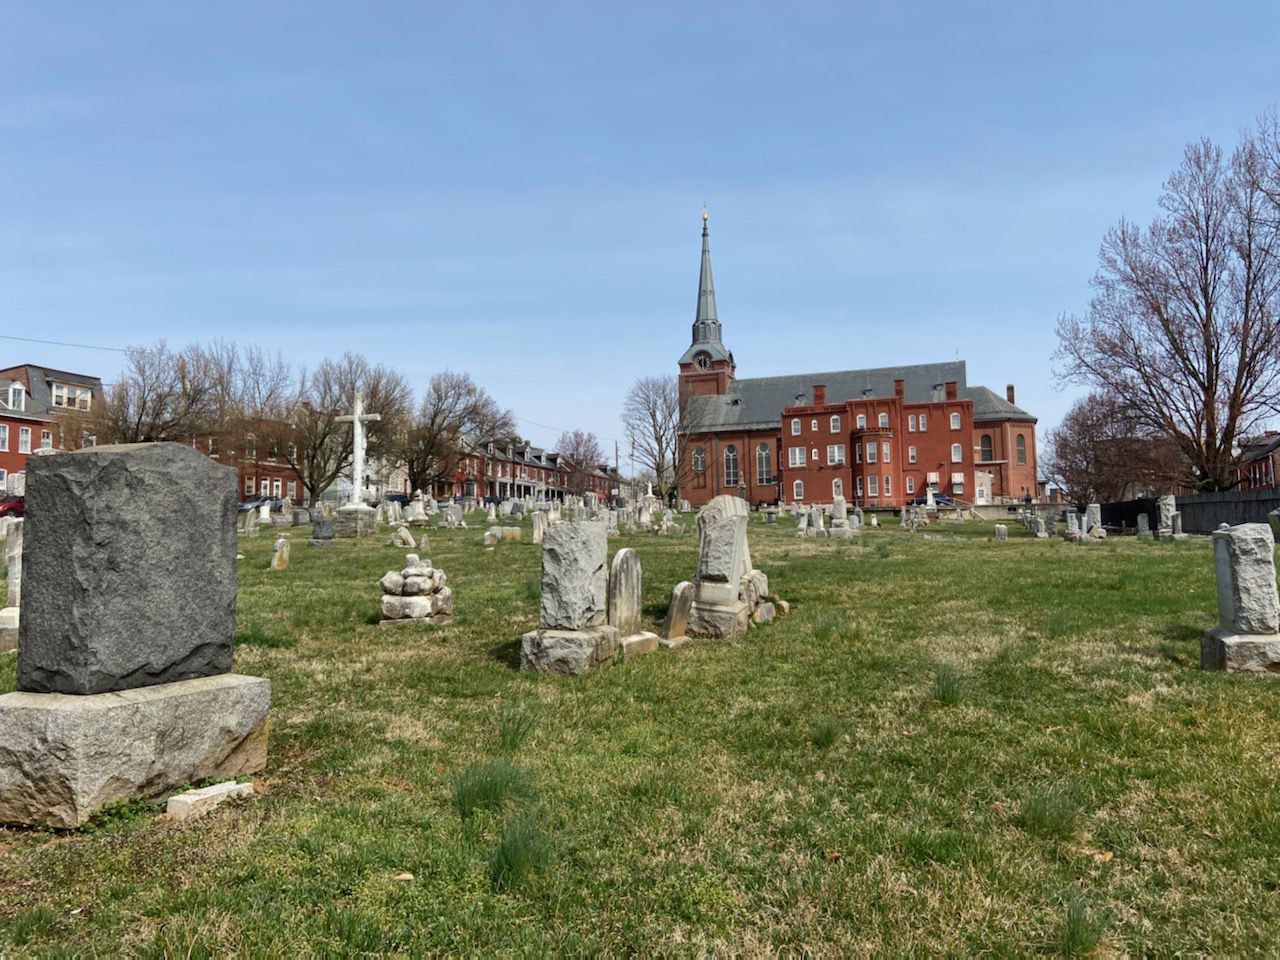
128 615
1165 508
9 615
573 634
322 533
1144 526
1247 638
727 590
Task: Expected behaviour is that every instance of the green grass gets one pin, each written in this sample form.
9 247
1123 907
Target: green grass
948 685
801 790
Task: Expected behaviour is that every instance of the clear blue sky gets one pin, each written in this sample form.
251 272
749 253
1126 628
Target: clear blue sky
514 190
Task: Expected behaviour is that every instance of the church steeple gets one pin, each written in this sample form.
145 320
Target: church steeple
706 327
706 347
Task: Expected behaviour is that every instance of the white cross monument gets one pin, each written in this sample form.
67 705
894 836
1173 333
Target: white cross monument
358 418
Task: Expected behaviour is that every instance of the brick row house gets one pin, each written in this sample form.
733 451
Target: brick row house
42 409
517 470
878 437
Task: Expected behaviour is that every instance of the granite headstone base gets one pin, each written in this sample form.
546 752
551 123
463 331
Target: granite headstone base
1240 653
355 520
569 652
69 755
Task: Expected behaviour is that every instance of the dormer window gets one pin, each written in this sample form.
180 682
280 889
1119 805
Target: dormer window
17 397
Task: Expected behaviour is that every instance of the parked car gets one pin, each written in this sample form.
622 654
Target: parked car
400 498
12 507
941 499
256 504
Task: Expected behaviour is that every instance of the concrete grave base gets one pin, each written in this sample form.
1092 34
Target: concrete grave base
720 620
639 644
66 756
193 803
1240 653
568 652
355 520
8 629
673 643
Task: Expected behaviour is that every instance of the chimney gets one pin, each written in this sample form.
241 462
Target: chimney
951 389
819 394
1008 393
899 388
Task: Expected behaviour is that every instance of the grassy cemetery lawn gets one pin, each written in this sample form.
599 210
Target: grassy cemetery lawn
951 745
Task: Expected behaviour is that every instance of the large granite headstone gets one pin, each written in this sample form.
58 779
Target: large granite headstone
130 569
1247 638
727 590
573 634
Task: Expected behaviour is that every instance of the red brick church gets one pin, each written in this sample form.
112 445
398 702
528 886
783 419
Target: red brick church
877 437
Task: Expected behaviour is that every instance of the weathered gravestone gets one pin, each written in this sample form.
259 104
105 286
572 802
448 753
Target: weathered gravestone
1093 522
539 525
9 616
1002 531
1166 506
676 625
573 634
322 533
625 581
727 590
280 554
1144 526
1247 638
128 615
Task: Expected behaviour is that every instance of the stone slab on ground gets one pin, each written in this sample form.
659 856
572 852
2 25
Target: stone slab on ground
66 756
116 594
194 803
1240 653
569 652
638 644
438 619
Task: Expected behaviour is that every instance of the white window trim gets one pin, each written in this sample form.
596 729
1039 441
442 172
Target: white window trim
888 485
911 454
797 491
795 457
924 423
882 421
957 453
872 485
795 427
4 437
861 421
955 421
24 439
835 454
871 451
911 423
835 424
911 485
884 451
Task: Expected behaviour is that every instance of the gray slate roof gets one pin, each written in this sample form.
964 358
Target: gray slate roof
758 402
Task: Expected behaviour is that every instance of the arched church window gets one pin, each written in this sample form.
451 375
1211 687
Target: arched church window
731 466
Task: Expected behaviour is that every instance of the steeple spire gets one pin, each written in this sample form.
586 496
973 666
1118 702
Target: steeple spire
706 326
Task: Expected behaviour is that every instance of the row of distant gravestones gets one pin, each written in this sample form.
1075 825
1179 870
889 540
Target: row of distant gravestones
128 615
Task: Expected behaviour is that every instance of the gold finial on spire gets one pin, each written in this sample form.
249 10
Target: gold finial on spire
704 213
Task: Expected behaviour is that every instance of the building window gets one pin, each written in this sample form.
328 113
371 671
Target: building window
764 464
699 458
293 491
265 487
858 485
888 485
797 491
924 422
46 439
24 439
837 488
17 397
795 427
884 451
871 486
4 480
835 454
857 453
861 421
731 466
1020 445
4 437
911 454
955 421
248 486
883 421
251 447
871 452
275 487
957 453
795 457
957 483
814 454
988 451
911 485
835 424
911 423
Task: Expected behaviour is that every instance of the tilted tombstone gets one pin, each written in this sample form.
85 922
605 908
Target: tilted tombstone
126 635
1247 638
1165 508
1092 519
573 634
625 582
676 624
726 590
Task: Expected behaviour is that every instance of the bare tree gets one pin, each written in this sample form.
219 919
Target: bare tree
651 416
312 440
161 395
1101 452
580 452
453 408
1184 326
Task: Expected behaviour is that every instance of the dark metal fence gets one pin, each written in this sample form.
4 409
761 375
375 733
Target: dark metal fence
1201 513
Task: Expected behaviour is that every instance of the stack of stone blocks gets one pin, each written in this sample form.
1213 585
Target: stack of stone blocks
125 640
1247 637
418 593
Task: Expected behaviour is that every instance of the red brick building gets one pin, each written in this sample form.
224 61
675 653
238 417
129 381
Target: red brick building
518 470
38 405
878 437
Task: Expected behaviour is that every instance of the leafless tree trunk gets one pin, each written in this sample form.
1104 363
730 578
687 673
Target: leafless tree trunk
454 408
580 452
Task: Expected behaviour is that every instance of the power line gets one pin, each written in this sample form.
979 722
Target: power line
60 343
547 426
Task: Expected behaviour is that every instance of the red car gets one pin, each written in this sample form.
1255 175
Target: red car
11 506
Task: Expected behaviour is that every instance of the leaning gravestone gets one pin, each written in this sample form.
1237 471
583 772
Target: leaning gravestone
625 582
125 642
573 634
1247 638
676 624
